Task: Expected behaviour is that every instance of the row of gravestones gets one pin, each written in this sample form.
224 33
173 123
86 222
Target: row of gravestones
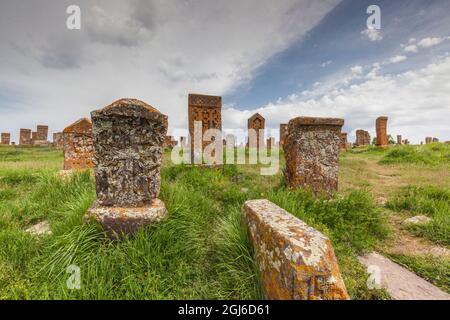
127 140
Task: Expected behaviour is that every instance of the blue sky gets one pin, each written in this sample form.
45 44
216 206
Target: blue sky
283 59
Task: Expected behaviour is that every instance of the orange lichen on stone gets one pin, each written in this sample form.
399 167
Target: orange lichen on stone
381 127
296 261
78 145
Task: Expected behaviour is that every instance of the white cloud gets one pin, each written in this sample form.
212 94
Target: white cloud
372 34
416 102
397 59
157 51
326 63
411 48
356 70
424 43
430 42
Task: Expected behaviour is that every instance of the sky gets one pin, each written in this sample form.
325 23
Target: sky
282 59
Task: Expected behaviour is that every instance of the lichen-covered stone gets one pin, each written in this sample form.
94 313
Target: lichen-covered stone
311 150
283 133
119 221
78 146
296 261
128 146
58 140
344 143
5 138
362 138
381 127
25 137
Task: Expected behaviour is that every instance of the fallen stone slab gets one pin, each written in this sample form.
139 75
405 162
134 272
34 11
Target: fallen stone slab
417 220
41 228
399 282
296 261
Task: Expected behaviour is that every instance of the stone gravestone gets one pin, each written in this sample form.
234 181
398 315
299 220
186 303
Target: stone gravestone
256 122
42 133
128 148
283 133
311 151
58 141
344 143
435 140
381 127
362 138
5 138
25 137
208 111
399 139
77 145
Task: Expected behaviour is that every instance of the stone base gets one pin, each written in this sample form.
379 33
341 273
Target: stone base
120 221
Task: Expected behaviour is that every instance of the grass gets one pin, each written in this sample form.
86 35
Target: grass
431 201
432 154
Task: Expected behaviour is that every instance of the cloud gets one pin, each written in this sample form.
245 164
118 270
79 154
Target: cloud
430 42
372 34
417 103
326 63
157 51
397 59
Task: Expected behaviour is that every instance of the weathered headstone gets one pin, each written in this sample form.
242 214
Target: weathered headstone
270 143
78 145
257 123
381 127
362 138
58 140
296 261
5 138
128 148
344 143
435 140
42 132
283 133
25 137
399 139
207 110
311 151
428 140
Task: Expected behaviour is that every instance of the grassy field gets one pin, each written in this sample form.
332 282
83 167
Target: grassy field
201 251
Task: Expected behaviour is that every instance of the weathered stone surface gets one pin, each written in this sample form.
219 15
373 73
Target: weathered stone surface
41 228
270 142
183 142
128 146
78 145
283 133
119 221
42 133
362 138
399 139
381 127
417 220
257 123
400 283
311 151
5 138
207 110
296 261
435 140
58 140
170 142
428 140
344 143
25 137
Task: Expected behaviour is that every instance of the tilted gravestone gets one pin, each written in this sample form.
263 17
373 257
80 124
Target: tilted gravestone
128 148
311 150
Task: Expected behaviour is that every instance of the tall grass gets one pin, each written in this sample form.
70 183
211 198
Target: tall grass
430 154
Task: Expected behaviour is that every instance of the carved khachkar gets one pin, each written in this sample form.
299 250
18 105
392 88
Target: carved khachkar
77 145
25 137
128 148
58 141
283 133
5 138
257 123
362 138
381 127
344 143
311 150
207 110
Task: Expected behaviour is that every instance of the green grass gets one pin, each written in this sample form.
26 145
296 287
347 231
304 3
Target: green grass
201 251
431 201
435 270
430 154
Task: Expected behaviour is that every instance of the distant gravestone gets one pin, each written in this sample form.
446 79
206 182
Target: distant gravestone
311 151
283 133
344 143
25 137
128 147
77 145
381 127
399 139
362 138
58 140
257 123
5 138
